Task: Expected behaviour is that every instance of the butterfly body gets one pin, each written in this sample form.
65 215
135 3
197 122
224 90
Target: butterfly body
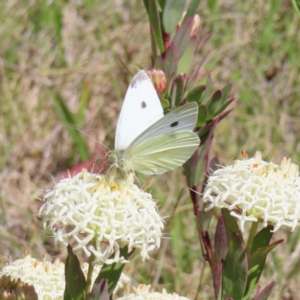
148 141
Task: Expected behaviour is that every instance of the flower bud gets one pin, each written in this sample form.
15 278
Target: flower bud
159 80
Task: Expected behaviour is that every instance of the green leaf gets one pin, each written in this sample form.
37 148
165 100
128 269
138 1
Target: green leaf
153 46
235 267
75 280
262 238
186 61
192 10
202 115
159 64
83 102
70 123
161 4
231 225
196 94
223 102
296 5
99 291
191 169
220 251
171 61
154 19
111 273
183 35
221 246
179 84
256 265
206 95
214 102
172 14
225 92
146 4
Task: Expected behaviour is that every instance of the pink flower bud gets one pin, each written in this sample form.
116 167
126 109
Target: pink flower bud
159 80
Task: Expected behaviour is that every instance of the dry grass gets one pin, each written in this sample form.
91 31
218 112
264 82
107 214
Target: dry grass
72 48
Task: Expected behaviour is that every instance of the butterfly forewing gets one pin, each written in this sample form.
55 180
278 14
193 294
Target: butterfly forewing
181 119
140 110
163 153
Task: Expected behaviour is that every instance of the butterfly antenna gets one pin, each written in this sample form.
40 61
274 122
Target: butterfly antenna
93 139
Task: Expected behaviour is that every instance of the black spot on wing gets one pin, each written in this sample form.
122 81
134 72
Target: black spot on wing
174 124
143 104
138 78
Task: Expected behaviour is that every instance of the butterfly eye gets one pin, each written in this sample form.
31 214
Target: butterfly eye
174 124
144 105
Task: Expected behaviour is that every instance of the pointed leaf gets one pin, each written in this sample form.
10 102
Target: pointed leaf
75 280
221 246
159 63
154 19
153 45
222 103
206 95
99 291
146 4
220 250
171 61
262 239
266 292
202 115
256 265
190 169
225 92
186 61
69 121
180 84
296 5
172 14
192 10
83 102
196 93
235 267
161 4
221 108
217 279
214 103
231 225
111 273
183 36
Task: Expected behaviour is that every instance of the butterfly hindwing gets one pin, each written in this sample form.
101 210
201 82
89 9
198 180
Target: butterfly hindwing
183 118
163 153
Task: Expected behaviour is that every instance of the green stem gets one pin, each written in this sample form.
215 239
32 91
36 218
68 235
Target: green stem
252 234
90 274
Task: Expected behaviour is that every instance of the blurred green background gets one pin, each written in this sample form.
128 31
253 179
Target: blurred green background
60 70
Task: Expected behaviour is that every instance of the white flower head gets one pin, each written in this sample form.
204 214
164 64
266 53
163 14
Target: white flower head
47 279
144 292
256 190
101 217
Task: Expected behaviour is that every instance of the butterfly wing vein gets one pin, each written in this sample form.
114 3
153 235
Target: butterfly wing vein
183 118
163 153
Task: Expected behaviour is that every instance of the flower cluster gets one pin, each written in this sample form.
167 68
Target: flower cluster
256 190
100 217
48 279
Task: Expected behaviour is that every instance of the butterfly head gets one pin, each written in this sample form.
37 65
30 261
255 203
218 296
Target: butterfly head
118 160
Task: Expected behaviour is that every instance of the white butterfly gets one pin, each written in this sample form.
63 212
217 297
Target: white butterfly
146 140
